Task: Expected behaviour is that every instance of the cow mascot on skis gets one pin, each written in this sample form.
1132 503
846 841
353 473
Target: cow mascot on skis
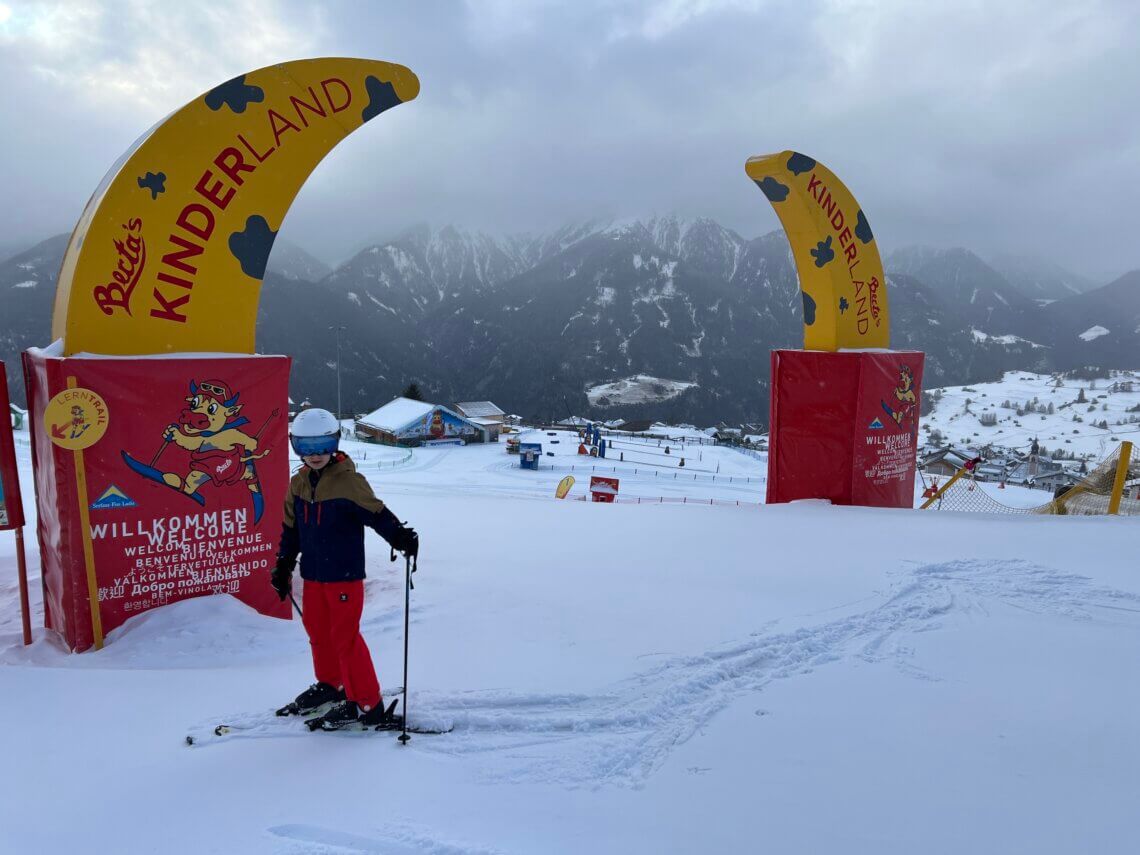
326 510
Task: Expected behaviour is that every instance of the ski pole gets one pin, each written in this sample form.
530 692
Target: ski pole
393 560
158 454
403 737
300 613
276 412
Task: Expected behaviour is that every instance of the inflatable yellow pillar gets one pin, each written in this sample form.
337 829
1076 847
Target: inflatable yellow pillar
841 274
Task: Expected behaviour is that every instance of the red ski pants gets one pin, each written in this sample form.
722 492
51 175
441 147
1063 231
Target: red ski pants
340 656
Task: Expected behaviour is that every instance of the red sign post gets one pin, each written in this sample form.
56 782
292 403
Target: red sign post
11 504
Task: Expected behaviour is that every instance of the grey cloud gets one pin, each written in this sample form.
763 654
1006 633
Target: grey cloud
983 129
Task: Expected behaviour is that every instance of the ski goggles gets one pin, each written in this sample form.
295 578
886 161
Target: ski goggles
306 446
214 390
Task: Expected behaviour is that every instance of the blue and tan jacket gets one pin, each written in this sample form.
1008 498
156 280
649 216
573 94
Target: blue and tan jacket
325 514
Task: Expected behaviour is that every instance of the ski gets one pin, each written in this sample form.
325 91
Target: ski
291 708
152 474
255 495
260 726
270 725
237 730
392 721
394 726
894 416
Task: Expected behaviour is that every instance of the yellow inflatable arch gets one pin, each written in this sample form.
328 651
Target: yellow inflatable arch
840 272
170 251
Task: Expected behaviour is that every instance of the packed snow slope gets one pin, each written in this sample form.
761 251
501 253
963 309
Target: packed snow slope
628 678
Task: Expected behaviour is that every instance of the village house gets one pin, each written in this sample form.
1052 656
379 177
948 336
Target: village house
484 414
405 422
945 461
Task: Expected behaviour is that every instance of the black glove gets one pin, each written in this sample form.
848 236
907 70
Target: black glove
398 535
406 541
281 577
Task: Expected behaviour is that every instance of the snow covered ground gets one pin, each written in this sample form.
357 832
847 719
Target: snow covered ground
1078 406
626 678
639 389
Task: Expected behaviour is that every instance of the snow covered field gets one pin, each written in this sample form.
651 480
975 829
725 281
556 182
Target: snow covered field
626 678
1077 407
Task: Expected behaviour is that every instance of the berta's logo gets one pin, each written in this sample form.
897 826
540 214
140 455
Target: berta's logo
867 308
116 294
874 286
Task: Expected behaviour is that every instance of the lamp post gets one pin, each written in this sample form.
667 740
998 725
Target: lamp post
338 410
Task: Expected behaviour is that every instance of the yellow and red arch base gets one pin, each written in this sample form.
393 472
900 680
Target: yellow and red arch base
843 411
146 495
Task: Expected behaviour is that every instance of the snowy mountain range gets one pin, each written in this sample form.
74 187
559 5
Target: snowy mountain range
535 321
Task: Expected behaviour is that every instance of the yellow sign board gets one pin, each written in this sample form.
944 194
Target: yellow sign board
169 254
564 487
840 272
76 418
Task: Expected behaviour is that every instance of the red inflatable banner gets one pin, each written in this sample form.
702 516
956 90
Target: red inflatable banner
11 506
844 427
157 479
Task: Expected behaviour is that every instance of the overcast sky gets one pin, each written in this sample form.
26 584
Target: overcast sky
1001 126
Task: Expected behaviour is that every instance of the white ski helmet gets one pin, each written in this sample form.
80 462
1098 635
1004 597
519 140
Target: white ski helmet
314 431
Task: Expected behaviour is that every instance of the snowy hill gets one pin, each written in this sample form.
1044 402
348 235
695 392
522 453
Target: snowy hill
1100 327
1038 279
639 389
1082 417
292 262
533 321
961 279
612 304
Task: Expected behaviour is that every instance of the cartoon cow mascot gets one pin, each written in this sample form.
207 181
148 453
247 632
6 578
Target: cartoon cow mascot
220 452
904 405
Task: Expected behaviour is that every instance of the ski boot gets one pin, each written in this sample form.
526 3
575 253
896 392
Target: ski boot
312 699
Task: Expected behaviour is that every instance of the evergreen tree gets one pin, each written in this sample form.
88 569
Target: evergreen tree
412 392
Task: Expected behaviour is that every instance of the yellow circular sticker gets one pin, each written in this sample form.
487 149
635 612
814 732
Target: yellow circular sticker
76 418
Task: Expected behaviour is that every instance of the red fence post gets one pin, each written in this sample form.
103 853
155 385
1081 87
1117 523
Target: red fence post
22 570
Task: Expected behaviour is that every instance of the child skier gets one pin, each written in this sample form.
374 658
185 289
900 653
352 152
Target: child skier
326 510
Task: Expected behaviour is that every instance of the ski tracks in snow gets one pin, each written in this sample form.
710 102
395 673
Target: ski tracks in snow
391 839
620 736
